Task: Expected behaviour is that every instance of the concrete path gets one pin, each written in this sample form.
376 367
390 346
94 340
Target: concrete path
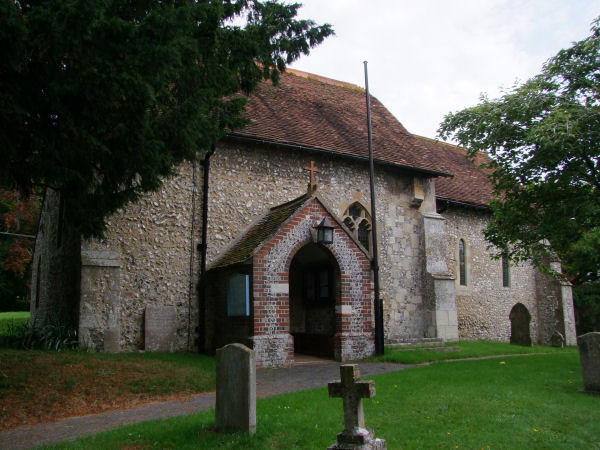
308 373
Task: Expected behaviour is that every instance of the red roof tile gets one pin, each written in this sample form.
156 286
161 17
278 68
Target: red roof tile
322 114
469 184
327 115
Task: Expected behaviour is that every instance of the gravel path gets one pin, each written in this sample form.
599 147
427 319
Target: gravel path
305 375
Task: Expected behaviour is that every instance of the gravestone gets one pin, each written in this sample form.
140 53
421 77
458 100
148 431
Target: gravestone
519 325
112 337
160 328
557 339
589 354
236 389
352 391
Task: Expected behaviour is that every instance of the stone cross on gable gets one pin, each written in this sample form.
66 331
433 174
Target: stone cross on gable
352 391
312 169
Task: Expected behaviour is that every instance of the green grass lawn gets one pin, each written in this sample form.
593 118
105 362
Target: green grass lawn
466 349
514 402
12 321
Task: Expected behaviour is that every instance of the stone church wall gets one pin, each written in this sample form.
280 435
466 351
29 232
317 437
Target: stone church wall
247 179
155 240
154 243
484 304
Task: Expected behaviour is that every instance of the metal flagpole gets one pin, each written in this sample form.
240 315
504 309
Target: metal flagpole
379 347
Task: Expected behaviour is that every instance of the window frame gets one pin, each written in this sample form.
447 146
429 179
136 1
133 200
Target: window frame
462 262
505 269
355 222
241 308
313 285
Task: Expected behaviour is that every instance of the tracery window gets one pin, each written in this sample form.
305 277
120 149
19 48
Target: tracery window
462 262
358 221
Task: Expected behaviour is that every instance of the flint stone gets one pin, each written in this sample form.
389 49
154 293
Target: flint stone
589 354
236 389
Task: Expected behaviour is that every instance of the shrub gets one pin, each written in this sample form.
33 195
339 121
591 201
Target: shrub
48 337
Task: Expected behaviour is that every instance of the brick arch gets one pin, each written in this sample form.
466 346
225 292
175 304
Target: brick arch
300 245
271 265
314 324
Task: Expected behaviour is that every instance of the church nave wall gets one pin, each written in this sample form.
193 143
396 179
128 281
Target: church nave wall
248 179
484 304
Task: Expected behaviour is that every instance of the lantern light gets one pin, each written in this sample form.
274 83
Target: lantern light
325 232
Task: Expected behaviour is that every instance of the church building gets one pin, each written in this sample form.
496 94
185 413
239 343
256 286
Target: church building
268 241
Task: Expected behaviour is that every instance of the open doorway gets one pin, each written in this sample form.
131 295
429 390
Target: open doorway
314 292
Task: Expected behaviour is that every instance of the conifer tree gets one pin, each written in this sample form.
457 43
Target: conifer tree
100 100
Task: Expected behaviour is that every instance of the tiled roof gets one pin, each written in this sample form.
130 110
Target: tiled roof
327 115
258 233
469 184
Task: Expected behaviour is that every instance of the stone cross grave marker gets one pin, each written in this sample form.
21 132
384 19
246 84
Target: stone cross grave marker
589 355
236 389
352 391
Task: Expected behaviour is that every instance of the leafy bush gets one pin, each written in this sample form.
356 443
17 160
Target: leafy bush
587 306
48 337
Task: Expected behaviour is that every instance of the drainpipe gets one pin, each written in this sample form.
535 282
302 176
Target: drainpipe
203 246
192 252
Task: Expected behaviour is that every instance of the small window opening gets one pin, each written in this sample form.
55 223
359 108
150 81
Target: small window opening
363 234
358 221
462 263
238 295
354 211
317 285
505 271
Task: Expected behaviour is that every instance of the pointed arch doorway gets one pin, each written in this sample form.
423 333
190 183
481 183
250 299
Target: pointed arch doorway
314 292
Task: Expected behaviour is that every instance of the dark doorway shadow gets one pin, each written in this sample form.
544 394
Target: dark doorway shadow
314 287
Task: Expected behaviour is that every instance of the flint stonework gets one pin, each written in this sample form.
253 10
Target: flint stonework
236 389
589 354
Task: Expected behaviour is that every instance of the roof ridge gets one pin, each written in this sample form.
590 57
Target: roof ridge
326 80
300 199
437 141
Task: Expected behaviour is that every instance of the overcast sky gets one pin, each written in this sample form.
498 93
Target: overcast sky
429 57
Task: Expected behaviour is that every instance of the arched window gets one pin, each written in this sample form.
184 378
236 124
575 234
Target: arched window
364 233
505 271
358 221
462 263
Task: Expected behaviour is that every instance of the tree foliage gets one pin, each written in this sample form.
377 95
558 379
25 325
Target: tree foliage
100 100
18 219
543 137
